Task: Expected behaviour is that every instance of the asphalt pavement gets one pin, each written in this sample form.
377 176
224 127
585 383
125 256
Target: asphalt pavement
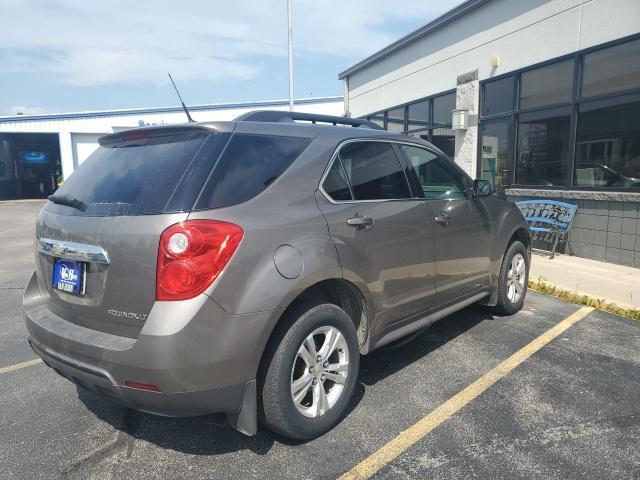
570 410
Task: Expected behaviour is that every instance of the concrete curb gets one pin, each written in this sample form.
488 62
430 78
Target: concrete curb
559 290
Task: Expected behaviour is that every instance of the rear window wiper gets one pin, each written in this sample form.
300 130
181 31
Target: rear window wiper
69 201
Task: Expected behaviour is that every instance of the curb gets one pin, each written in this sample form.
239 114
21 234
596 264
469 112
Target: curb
580 298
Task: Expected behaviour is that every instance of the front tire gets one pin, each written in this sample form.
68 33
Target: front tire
513 280
310 373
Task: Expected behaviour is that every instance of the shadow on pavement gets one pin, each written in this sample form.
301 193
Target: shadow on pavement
212 435
394 357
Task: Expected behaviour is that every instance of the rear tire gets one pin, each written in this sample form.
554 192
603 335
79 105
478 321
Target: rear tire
310 372
513 280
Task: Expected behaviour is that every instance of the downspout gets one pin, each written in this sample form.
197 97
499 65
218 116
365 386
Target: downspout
345 84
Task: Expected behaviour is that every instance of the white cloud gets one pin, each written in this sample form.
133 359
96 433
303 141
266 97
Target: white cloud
21 109
137 41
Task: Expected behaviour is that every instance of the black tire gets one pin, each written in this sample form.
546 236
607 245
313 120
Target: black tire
277 410
505 306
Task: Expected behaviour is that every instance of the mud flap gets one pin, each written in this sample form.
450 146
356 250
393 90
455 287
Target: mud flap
246 420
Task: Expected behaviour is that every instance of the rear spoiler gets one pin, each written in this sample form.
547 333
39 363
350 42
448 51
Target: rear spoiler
134 134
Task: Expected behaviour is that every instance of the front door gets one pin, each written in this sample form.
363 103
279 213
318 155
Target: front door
383 235
462 228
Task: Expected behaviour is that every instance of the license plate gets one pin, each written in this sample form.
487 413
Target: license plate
69 276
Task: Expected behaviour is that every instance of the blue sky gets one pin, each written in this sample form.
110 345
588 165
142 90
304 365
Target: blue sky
74 55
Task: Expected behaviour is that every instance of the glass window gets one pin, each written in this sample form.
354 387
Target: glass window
547 85
419 115
608 143
496 151
543 147
445 140
377 119
249 164
443 107
395 120
132 177
436 177
611 70
374 171
498 96
335 184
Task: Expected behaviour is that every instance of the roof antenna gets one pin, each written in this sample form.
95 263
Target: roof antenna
184 107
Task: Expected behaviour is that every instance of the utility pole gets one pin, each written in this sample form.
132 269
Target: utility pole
289 14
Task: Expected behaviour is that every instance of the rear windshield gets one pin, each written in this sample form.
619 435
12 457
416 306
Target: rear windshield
170 173
138 177
249 164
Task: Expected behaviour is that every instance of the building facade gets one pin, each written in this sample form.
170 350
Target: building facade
546 95
37 152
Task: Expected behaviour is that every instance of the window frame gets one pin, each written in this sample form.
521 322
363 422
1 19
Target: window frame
429 127
574 104
401 161
449 165
407 168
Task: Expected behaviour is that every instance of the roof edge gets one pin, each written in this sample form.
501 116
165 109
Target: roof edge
464 8
151 110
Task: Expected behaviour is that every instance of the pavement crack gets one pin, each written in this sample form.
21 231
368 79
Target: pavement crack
124 441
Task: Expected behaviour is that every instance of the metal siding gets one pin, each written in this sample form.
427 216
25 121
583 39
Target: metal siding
520 33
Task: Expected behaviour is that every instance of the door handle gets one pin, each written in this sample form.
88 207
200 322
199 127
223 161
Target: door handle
360 222
442 218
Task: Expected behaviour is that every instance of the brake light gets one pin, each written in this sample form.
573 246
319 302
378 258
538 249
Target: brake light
191 255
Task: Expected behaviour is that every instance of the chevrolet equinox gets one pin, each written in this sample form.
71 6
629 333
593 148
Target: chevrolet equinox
243 267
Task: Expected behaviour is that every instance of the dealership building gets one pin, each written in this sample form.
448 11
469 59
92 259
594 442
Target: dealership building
542 97
37 152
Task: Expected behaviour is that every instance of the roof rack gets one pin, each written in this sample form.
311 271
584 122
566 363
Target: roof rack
284 116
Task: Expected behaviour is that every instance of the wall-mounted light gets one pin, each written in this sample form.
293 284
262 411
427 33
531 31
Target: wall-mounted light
460 119
495 62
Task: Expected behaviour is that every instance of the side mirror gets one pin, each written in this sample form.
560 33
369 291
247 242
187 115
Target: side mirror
482 188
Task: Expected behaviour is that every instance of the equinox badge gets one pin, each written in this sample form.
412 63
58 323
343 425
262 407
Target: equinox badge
131 315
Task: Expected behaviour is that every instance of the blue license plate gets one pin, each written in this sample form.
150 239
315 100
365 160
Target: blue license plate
68 276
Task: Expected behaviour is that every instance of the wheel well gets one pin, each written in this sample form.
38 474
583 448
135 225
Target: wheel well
339 292
523 236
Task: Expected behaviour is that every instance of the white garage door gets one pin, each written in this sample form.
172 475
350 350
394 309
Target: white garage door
83 144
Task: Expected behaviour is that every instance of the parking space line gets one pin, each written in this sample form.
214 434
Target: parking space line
370 465
18 366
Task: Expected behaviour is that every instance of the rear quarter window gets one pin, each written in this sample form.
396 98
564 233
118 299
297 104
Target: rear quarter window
249 164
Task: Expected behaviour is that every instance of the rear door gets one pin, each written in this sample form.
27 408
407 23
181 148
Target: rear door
382 234
462 227
130 190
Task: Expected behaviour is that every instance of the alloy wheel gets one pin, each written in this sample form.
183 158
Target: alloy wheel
319 372
516 278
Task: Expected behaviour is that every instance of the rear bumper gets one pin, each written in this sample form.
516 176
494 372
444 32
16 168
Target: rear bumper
201 358
226 399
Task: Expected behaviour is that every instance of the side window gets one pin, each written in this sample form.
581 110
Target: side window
336 184
437 179
374 171
248 166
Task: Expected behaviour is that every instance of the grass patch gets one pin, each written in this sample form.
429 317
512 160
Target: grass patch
543 287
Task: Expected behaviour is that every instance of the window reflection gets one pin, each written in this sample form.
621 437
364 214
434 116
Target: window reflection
543 147
612 69
608 144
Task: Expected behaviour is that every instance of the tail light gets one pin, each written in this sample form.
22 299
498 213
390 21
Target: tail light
191 255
